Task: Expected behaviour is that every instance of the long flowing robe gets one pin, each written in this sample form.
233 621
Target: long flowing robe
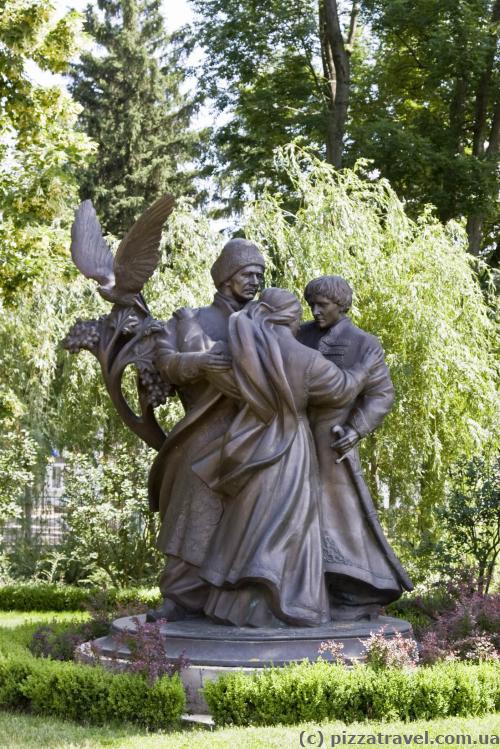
189 509
266 548
361 567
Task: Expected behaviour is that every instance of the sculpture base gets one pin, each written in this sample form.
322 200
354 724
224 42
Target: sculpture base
213 649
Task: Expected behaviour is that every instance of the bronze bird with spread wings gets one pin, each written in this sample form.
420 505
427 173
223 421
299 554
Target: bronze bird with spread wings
121 277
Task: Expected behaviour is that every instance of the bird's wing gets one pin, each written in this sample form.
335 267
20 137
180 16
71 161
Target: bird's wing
138 253
90 251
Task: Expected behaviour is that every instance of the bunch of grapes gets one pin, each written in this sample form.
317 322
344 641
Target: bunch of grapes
156 389
84 334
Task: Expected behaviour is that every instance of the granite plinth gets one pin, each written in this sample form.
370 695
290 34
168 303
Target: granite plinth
207 644
213 649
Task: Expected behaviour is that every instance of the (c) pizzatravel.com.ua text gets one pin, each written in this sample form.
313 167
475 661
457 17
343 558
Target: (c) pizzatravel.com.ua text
318 738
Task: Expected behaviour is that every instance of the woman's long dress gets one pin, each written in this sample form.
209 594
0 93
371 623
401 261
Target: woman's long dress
265 555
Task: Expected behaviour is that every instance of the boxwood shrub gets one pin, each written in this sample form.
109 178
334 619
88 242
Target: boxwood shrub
324 691
49 597
13 674
89 694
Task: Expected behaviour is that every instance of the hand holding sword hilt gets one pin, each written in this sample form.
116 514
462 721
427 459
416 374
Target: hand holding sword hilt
346 439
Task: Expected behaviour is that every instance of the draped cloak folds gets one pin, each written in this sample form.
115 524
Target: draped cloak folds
265 467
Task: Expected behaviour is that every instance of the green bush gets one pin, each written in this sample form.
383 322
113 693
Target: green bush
489 678
49 597
41 597
421 608
157 706
89 694
68 690
13 673
418 620
476 691
389 698
322 691
433 691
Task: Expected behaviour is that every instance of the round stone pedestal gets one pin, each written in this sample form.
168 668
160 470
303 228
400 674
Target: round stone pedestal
214 649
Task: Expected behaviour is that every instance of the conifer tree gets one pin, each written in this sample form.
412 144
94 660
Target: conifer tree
133 107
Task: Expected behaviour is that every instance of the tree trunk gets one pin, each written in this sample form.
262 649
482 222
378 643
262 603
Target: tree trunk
27 516
336 54
330 82
475 233
458 112
489 575
485 144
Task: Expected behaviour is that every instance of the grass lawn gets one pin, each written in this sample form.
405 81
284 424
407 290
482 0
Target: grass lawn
17 627
12 619
21 731
30 732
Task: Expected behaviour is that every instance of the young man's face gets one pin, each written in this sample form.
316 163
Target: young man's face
246 283
325 312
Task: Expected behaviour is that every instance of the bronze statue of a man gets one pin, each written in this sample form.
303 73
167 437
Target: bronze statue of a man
362 571
254 532
186 357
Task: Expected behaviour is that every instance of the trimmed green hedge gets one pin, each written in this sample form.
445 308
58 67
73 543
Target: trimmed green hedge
46 597
89 694
322 691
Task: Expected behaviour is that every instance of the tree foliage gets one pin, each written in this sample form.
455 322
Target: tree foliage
427 107
282 72
130 89
50 399
415 88
471 517
416 288
39 144
110 531
39 151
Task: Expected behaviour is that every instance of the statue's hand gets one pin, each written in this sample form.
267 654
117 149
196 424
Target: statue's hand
348 439
213 361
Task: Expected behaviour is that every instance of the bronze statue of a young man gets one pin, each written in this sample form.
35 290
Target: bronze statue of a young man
186 358
362 571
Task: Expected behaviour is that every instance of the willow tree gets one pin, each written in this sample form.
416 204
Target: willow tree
49 399
416 288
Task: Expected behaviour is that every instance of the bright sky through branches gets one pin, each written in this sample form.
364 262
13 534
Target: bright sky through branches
175 12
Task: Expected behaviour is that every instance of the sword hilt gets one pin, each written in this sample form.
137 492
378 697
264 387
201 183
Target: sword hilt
339 431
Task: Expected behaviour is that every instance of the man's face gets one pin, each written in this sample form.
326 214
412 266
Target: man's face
325 312
246 283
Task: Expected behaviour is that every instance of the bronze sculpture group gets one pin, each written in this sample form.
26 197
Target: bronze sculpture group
266 520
